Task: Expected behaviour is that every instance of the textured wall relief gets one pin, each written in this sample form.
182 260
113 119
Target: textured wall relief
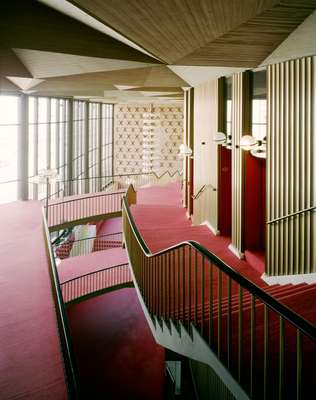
130 148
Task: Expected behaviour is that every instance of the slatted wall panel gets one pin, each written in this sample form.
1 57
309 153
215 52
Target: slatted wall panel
189 141
206 110
240 127
185 141
291 243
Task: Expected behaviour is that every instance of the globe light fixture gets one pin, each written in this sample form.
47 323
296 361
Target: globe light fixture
47 177
219 137
257 147
184 150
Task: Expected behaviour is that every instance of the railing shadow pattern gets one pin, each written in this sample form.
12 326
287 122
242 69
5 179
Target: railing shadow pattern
268 348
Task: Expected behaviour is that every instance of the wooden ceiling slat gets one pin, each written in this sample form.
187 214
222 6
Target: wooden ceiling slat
29 24
196 32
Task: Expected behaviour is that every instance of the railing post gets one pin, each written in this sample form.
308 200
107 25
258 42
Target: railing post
131 195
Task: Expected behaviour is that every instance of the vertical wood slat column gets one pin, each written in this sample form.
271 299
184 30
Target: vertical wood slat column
189 141
185 141
191 145
291 176
209 106
241 125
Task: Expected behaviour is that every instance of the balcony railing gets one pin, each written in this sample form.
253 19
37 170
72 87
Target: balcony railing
81 185
96 282
266 346
81 247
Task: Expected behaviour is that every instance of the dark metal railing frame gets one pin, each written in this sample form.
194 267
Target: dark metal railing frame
300 323
63 327
93 273
305 210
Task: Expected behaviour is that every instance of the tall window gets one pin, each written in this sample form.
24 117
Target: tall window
94 127
78 146
259 105
228 106
107 142
48 147
8 148
47 140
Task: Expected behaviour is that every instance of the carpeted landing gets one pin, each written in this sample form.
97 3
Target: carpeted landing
117 355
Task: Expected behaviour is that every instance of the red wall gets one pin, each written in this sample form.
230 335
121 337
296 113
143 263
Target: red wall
225 191
255 202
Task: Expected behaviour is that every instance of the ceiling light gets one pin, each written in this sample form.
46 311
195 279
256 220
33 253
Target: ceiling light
219 137
259 152
248 142
184 150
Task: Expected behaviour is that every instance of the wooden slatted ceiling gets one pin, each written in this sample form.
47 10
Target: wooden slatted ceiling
149 77
251 42
203 32
29 24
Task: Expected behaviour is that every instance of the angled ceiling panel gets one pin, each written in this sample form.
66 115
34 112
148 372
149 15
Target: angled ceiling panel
29 24
44 64
65 7
144 77
24 83
10 64
171 29
232 33
249 44
300 43
197 75
7 86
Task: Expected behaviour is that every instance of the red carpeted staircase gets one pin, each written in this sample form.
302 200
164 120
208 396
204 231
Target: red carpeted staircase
162 226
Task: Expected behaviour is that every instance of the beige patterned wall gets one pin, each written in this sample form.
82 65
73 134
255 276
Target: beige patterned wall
128 136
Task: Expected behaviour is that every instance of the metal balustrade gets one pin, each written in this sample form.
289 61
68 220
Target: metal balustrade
81 247
96 282
76 209
81 185
267 347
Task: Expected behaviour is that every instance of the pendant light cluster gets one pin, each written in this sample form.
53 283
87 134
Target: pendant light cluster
151 141
257 147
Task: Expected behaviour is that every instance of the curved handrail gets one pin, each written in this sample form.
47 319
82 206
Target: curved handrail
84 197
64 330
93 273
201 190
300 323
95 282
272 221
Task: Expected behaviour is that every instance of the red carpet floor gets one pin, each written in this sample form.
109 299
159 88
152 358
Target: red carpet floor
164 224
31 364
117 355
109 226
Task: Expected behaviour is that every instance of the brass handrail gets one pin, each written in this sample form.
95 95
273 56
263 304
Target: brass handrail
306 327
272 221
187 283
198 194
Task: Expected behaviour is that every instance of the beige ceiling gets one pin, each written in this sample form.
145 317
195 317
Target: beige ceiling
123 50
235 33
45 64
